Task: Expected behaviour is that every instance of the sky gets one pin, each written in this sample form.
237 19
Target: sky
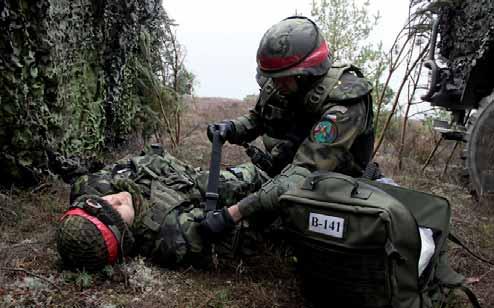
221 37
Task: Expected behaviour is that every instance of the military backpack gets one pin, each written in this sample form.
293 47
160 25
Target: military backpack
358 243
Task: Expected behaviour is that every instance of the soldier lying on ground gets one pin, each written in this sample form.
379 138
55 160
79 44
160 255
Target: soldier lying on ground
149 205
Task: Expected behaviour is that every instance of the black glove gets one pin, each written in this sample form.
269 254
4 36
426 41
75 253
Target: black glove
225 128
216 223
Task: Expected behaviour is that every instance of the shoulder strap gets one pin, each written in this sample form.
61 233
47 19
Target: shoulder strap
267 92
325 88
317 95
457 241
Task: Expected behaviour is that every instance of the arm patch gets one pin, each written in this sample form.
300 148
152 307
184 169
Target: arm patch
326 130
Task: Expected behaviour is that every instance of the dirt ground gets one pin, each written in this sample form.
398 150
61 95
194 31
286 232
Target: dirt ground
31 276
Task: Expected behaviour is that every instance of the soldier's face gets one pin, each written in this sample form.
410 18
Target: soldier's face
286 85
122 203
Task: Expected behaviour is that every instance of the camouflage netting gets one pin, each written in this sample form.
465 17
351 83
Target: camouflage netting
68 79
467 36
466 39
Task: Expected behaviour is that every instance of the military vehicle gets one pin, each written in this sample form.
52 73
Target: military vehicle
462 82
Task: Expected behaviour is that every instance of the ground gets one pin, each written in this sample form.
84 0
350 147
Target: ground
31 276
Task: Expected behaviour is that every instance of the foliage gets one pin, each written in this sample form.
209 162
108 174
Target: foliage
406 54
28 110
392 132
68 81
436 114
250 98
164 102
176 79
84 280
347 28
81 279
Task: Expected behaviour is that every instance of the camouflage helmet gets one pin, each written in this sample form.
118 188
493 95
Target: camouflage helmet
293 47
91 234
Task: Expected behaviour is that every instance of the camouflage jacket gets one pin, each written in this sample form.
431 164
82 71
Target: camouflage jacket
328 129
167 196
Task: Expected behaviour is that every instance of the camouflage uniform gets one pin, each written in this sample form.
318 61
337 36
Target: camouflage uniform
327 129
166 195
313 115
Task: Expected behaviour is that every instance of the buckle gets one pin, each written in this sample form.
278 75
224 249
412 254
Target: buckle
212 196
91 206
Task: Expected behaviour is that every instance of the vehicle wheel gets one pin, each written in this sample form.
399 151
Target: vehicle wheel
479 150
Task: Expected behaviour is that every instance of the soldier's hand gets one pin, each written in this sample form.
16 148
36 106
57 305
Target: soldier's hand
226 130
216 223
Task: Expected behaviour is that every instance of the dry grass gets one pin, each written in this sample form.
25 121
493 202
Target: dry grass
28 222
195 147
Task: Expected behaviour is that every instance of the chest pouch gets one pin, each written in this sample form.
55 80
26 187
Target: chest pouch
164 239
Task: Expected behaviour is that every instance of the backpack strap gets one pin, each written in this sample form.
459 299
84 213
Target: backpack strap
457 241
471 296
451 288
447 278
461 286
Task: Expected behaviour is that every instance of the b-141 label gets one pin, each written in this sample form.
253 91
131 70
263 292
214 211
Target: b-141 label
329 225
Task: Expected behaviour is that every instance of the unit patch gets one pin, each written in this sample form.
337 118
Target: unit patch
326 131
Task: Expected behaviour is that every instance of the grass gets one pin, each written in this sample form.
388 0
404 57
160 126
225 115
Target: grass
28 223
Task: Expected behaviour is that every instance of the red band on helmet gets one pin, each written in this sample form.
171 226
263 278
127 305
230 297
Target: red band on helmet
108 236
277 63
317 57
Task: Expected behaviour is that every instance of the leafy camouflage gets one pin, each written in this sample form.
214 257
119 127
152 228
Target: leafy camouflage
28 108
69 79
466 29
